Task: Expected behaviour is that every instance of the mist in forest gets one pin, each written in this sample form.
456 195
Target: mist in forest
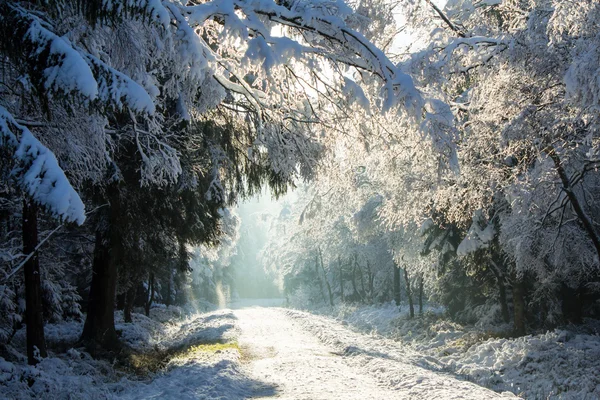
250 280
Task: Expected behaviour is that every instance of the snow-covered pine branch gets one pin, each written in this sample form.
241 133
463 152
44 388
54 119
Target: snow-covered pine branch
37 172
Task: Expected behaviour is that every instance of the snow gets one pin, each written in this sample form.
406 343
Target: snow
326 19
74 374
477 238
397 366
118 89
355 93
38 173
561 364
374 353
66 70
273 52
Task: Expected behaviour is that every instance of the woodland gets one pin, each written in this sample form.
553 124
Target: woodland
439 153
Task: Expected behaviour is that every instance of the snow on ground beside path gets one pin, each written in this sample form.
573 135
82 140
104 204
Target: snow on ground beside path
73 374
272 352
312 357
562 364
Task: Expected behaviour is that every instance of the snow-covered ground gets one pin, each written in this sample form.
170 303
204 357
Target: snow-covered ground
71 373
258 352
244 303
305 356
561 364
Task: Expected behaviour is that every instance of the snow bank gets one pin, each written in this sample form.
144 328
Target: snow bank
553 365
398 367
71 373
562 364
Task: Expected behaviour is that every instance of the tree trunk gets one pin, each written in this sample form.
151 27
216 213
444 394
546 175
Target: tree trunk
409 295
36 341
168 298
572 304
362 280
357 293
519 305
325 278
502 291
129 300
341 279
421 294
99 328
397 285
370 282
318 276
183 256
567 187
150 294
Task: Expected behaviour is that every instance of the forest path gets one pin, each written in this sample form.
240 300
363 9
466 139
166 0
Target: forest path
310 357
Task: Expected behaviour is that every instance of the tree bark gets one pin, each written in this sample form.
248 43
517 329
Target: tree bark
370 282
397 285
362 281
325 278
168 298
357 293
572 304
341 279
36 341
99 327
150 294
502 291
318 276
129 300
519 306
421 294
409 295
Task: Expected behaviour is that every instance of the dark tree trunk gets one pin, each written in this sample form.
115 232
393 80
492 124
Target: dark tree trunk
409 295
129 300
572 304
168 298
325 278
502 291
33 292
519 305
318 276
370 282
503 301
362 281
357 294
421 294
397 285
121 301
341 279
183 256
150 294
99 328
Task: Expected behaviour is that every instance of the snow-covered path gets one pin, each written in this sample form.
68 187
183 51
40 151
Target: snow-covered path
281 353
310 357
